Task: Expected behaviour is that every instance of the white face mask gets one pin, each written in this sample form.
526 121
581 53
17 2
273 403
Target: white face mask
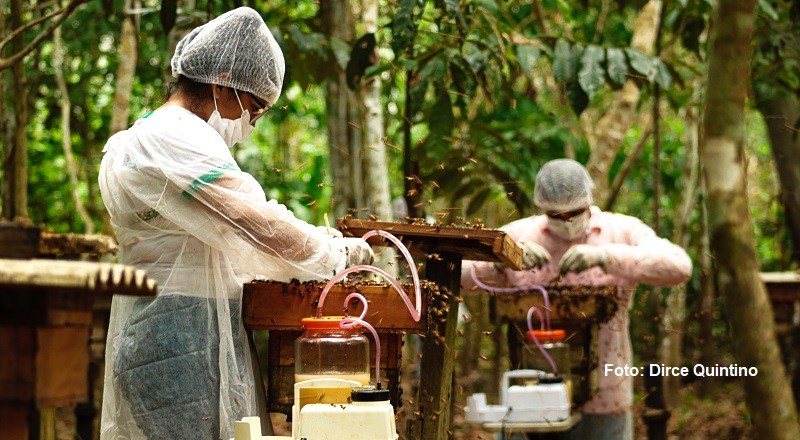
232 132
572 228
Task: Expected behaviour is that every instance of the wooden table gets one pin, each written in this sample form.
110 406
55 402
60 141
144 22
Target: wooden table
442 249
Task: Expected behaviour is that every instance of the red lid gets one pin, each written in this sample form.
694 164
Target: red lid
547 335
329 323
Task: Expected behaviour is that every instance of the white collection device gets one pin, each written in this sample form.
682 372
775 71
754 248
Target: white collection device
544 403
362 419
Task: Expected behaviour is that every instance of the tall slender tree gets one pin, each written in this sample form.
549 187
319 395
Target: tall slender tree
768 394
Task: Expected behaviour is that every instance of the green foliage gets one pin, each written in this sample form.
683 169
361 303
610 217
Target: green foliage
404 25
776 60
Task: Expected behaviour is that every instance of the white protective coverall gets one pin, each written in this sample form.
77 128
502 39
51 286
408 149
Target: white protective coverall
178 365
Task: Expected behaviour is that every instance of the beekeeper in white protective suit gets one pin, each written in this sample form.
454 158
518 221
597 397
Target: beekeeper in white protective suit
178 366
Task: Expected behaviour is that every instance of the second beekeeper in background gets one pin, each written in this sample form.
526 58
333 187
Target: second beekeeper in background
178 366
588 246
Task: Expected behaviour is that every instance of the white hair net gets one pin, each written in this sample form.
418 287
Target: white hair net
563 185
235 50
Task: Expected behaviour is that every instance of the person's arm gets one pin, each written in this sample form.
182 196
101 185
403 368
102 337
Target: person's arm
644 257
214 201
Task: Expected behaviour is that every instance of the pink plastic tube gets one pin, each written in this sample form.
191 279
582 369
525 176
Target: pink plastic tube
350 322
536 340
493 289
415 311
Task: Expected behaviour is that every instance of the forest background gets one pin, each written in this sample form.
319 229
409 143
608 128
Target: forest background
442 109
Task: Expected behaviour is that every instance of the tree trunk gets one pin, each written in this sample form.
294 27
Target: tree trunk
782 117
128 53
15 163
187 20
337 21
768 394
675 313
5 133
608 133
374 162
706 308
66 132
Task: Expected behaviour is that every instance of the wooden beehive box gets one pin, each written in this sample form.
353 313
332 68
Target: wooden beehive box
579 310
279 307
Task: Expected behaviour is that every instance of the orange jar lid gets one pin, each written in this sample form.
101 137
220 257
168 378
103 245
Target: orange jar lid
547 335
324 323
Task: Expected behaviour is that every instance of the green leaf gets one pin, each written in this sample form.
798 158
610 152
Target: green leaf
663 78
617 67
766 8
376 70
563 61
404 24
478 200
591 75
454 11
168 14
527 56
441 119
578 100
643 64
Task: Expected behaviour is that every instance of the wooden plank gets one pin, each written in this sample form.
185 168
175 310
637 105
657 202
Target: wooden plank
469 243
77 276
62 366
567 303
14 421
69 244
271 305
17 369
18 240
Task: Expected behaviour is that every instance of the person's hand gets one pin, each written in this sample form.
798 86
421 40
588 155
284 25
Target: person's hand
581 257
357 251
533 256
330 231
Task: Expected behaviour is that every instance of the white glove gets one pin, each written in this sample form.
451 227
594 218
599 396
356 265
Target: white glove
330 231
533 256
581 257
357 251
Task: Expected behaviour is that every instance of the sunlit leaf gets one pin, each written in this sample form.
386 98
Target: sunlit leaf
617 66
643 64
563 61
591 75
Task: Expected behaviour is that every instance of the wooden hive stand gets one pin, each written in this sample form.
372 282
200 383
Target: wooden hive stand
279 307
47 315
579 310
783 289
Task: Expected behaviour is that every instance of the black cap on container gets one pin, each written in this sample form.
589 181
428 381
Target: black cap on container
369 394
551 378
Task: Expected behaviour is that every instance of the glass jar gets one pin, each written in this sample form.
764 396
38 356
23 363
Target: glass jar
553 343
327 351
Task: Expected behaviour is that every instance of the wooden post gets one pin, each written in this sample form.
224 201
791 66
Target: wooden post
438 353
